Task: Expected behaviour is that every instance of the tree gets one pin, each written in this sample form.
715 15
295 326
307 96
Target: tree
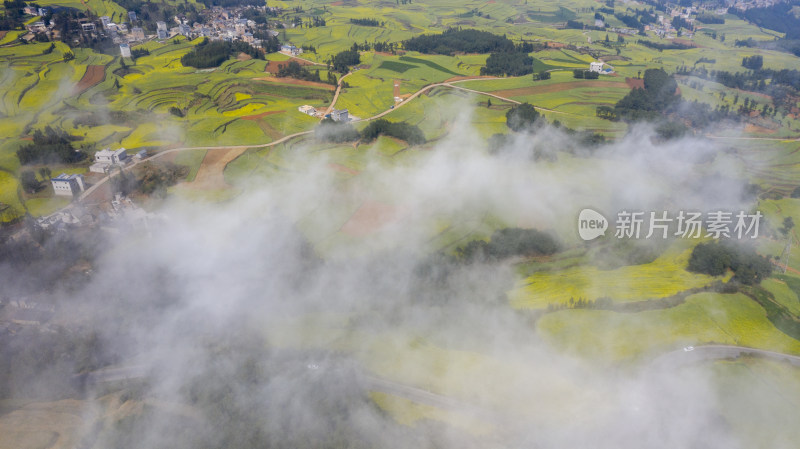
521 117
45 172
489 103
788 224
29 182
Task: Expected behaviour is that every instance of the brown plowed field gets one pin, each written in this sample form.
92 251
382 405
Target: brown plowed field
272 66
370 217
263 114
94 75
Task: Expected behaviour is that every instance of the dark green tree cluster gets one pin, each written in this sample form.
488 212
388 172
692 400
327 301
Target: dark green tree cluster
541 76
710 19
716 258
508 63
585 74
457 40
661 46
13 16
779 17
29 181
294 70
400 130
53 145
521 117
367 22
212 54
753 62
575 24
658 94
679 22
345 59
510 242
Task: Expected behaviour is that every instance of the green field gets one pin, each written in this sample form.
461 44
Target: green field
665 276
704 318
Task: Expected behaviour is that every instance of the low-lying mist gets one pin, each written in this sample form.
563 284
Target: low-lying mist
260 322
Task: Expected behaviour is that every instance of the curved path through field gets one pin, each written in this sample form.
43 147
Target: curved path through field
450 84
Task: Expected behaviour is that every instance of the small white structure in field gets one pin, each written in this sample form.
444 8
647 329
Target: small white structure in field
125 50
106 158
68 185
596 67
308 110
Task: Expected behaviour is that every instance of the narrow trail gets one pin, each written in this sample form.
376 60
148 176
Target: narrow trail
450 84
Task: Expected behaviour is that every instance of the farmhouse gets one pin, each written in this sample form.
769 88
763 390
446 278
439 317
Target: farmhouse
309 110
596 67
290 50
137 34
125 50
340 115
106 158
68 185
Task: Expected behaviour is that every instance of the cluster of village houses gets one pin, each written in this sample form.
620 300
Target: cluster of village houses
73 185
225 24
337 115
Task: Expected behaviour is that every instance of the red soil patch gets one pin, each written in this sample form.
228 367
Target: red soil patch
243 57
272 66
94 75
263 114
210 174
559 87
337 3
343 169
755 129
635 83
370 217
3 34
275 79
556 45
684 42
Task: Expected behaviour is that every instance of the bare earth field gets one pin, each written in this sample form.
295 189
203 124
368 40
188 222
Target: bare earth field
94 75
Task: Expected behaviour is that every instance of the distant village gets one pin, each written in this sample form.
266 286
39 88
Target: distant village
224 24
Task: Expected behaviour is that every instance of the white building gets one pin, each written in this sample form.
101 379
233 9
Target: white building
596 67
137 34
161 26
290 50
125 50
105 20
340 115
68 185
106 158
309 110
